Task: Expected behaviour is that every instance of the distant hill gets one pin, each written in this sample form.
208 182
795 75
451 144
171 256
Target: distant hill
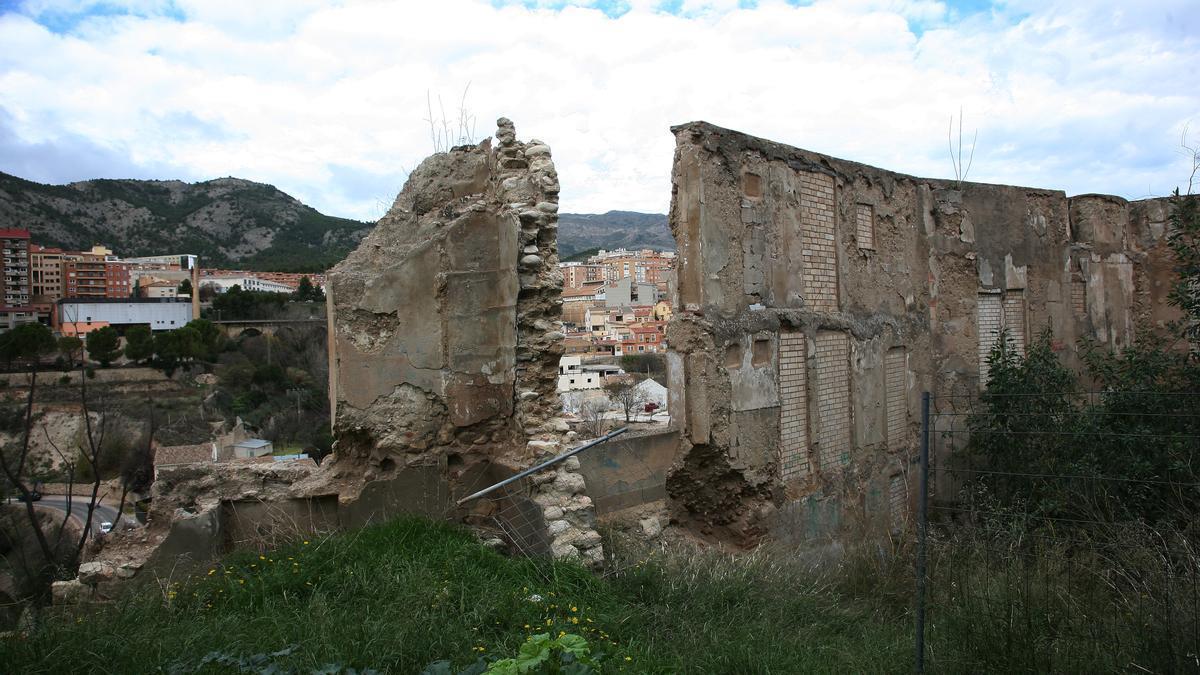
231 222
227 221
615 229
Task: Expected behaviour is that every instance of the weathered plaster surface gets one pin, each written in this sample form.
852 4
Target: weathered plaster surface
446 332
882 274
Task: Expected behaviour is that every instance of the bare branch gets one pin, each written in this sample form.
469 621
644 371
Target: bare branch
956 161
1192 152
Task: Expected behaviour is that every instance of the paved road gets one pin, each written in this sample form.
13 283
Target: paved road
79 509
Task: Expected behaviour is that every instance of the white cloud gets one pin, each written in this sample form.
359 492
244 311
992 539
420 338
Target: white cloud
328 100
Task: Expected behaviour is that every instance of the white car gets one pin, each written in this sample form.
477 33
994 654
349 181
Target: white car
106 527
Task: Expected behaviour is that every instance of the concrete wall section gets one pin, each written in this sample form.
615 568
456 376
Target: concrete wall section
629 471
445 327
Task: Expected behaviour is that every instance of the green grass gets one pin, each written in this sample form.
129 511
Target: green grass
398 596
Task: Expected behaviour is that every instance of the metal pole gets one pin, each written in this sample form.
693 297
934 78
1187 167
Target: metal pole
543 465
922 531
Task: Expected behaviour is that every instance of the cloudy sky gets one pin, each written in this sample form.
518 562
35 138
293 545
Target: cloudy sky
328 99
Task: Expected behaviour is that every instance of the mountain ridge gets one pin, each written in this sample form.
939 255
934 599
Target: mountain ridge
234 222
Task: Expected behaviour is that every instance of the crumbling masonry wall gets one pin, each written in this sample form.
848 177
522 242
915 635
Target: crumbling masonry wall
445 335
819 297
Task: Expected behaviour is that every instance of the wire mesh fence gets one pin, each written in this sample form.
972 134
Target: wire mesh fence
1060 532
510 508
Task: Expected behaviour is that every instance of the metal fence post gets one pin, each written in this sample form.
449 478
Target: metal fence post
922 531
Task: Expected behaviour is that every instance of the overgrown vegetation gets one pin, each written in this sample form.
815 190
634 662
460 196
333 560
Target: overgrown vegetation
1071 543
400 596
1127 440
277 383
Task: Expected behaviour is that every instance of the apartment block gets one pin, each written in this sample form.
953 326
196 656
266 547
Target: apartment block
94 275
16 280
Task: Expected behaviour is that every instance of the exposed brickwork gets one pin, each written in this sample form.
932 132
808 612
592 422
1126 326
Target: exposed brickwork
898 500
864 226
897 411
833 398
989 314
793 409
775 240
1014 321
820 261
1078 297
996 312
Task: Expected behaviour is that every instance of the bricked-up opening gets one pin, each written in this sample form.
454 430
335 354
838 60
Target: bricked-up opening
864 226
819 252
897 408
1078 297
1015 320
833 398
898 500
761 355
793 406
995 312
989 314
751 185
733 355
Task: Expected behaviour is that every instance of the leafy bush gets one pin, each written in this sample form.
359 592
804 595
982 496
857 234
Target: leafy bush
567 654
1118 453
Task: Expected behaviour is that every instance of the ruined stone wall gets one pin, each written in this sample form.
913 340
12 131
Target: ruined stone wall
445 334
819 297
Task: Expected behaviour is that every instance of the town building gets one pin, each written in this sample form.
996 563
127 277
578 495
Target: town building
95 274
247 282
172 456
291 279
46 282
17 306
182 261
251 448
644 266
16 281
576 302
157 313
644 338
149 287
577 274
142 275
625 292
653 392
572 377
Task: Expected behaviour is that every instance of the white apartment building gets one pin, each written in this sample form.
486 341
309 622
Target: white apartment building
572 377
246 282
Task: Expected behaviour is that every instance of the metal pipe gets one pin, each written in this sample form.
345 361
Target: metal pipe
539 467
